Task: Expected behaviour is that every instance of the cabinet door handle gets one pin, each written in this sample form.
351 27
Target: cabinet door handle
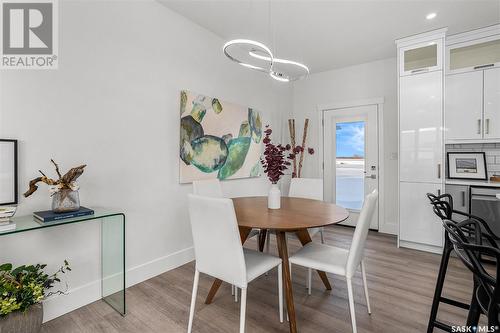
439 170
479 126
484 66
419 70
488 126
463 198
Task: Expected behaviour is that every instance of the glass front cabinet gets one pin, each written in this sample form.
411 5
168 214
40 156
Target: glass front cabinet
421 58
473 55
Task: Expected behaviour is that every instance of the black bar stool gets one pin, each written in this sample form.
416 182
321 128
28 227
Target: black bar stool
443 208
486 293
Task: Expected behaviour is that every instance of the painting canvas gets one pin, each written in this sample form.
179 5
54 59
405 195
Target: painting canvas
218 139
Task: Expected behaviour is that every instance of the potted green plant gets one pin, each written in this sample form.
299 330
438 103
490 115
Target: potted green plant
22 291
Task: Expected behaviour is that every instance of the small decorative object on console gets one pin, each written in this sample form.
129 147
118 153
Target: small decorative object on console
6 212
64 190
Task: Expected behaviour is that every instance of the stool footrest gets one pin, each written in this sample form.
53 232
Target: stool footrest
454 303
442 326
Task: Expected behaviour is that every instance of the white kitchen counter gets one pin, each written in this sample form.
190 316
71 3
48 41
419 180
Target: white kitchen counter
472 182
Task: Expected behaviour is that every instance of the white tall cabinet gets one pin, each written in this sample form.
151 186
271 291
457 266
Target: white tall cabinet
421 138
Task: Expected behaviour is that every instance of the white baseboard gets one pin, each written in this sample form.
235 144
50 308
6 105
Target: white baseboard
421 247
388 228
80 296
158 266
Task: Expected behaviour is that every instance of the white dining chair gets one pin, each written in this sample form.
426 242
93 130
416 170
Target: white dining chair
340 261
220 254
307 188
212 188
208 188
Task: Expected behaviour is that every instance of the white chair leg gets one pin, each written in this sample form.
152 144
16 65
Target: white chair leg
322 236
363 272
243 308
193 300
309 280
232 289
280 291
235 294
351 305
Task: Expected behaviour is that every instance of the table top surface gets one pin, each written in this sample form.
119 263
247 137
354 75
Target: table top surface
29 222
294 214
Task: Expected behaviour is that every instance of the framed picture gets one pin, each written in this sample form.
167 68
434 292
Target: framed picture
467 165
8 172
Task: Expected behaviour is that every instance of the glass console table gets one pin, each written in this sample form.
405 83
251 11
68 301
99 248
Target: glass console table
112 249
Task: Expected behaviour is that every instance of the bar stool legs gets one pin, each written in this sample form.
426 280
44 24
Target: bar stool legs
433 322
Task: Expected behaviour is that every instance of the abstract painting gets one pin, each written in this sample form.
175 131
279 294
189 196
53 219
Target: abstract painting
218 139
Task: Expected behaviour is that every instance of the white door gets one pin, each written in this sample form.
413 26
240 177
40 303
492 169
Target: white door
421 128
351 158
492 103
464 106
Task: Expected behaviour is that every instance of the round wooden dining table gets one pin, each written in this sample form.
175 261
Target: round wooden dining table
295 215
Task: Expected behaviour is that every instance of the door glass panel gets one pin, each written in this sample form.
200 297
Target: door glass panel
422 57
350 164
475 55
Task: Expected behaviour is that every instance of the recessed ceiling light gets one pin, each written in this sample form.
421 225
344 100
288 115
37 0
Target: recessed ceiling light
430 16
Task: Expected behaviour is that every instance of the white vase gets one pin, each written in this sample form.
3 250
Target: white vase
274 198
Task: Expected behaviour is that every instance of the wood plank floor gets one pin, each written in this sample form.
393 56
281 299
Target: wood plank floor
401 284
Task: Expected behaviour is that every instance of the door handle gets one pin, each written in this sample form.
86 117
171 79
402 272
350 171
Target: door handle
488 126
439 192
479 126
439 170
419 70
484 66
463 198
371 176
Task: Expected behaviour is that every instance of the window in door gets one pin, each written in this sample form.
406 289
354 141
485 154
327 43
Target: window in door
350 164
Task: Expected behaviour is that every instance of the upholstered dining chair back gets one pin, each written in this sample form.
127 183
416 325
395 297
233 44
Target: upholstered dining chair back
360 233
308 188
208 188
217 245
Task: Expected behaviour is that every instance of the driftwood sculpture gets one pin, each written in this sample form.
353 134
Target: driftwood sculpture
298 151
63 182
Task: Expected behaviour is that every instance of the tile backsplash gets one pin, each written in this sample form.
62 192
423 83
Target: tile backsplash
492 151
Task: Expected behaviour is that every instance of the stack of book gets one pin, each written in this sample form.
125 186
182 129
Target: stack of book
5 222
50 216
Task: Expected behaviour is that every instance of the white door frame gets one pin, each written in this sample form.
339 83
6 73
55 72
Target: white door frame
379 103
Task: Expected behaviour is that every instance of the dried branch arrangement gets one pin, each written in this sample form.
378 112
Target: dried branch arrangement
63 182
298 150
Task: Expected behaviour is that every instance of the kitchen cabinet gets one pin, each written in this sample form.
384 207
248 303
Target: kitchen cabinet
420 127
421 57
421 138
460 195
419 227
475 54
492 103
464 106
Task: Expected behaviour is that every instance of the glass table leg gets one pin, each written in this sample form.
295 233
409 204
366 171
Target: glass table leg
113 262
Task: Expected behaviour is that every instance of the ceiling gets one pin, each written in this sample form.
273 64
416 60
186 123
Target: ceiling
332 34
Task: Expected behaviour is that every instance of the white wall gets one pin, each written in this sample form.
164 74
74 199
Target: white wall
370 80
114 105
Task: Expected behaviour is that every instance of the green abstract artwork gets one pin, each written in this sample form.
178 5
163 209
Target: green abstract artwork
218 139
